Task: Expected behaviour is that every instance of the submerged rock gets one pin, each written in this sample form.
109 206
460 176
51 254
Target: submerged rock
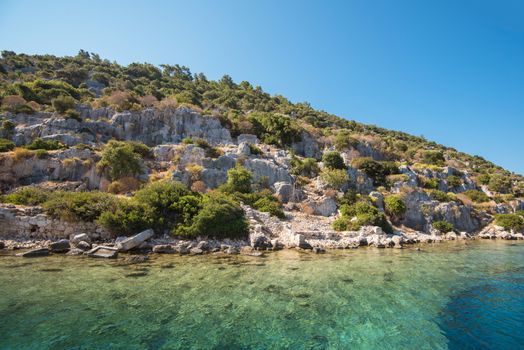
164 249
103 252
34 253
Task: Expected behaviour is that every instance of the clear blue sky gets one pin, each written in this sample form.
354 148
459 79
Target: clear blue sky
451 70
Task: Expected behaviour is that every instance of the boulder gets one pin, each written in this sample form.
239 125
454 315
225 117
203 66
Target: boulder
33 253
325 206
164 249
83 245
2 245
196 251
79 238
135 241
284 191
203 245
243 149
378 199
75 251
318 250
260 242
248 138
232 250
60 246
103 252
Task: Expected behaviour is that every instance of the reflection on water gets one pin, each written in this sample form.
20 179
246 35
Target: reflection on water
446 296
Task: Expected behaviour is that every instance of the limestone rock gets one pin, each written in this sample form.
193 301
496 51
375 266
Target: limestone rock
60 246
103 252
284 191
164 249
83 245
243 148
135 241
248 138
79 238
33 253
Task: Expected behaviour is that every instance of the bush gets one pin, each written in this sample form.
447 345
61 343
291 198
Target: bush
333 160
21 154
477 196
378 171
274 128
365 214
307 167
120 159
6 145
350 197
335 178
41 153
483 179
453 181
394 206
344 141
269 205
254 149
26 196
238 180
442 226
342 224
220 217
433 158
440 196
430 183
48 145
126 219
510 221
500 183
168 203
62 104
79 206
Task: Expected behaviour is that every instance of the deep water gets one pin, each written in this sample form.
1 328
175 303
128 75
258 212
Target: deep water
450 295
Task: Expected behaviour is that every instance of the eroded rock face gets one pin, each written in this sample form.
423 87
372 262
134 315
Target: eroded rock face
155 127
307 147
268 169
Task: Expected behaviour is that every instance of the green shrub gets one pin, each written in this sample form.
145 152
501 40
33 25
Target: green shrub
238 180
500 183
333 160
442 226
365 214
48 145
377 171
41 153
344 141
79 206
335 178
26 196
350 197
483 179
168 204
254 149
271 206
6 145
429 183
342 223
477 196
453 181
220 217
440 196
510 221
120 159
434 158
273 128
394 206
127 218
61 104
306 167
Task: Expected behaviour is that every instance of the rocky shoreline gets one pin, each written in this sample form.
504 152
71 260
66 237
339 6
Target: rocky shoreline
145 243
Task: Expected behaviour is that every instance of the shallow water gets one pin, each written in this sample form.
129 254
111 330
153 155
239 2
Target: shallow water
449 295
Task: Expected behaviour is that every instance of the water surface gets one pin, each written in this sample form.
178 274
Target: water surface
449 295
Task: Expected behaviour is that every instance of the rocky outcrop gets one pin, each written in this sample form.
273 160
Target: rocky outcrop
134 241
103 252
269 170
307 146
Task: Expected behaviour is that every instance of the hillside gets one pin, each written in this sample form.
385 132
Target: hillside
95 142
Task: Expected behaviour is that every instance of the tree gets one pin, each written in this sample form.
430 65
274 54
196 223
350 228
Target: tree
238 180
394 206
333 160
119 159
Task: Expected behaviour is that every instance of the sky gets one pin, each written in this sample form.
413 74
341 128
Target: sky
450 70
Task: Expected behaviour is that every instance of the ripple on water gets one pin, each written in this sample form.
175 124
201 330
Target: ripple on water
455 296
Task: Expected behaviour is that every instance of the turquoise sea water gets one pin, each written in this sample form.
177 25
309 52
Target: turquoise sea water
449 295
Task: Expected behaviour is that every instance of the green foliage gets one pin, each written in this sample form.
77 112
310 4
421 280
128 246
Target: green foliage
453 181
238 180
477 196
350 197
48 145
269 205
41 153
378 171
429 183
440 196
304 167
78 206
61 104
26 196
510 221
442 226
333 160
344 140
6 145
394 206
220 217
120 159
254 149
483 179
499 183
274 128
434 158
365 215
334 178
127 218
